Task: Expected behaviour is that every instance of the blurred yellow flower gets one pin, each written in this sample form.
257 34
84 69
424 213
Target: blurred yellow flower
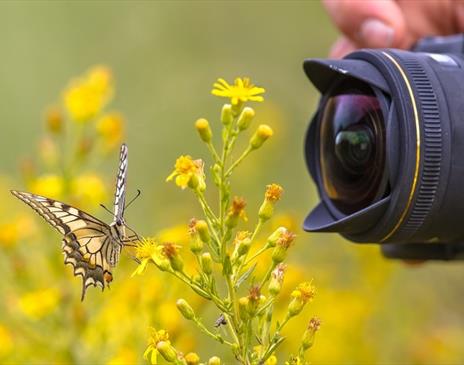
15 230
48 151
88 189
39 303
241 91
86 96
188 172
271 361
54 120
49 185
125 356
151 353
111 128
6 341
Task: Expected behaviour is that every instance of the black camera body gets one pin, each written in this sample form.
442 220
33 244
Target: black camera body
386 148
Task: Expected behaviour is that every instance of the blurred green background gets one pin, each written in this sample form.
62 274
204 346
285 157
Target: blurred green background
165 57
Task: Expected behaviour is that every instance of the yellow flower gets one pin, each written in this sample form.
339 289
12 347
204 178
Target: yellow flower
111 128
86 96
303 294
273 192
272 360
12 232
154 339
6 341
39 303
123 357
49 185
188 172
241 91
192 358
236 211
88 189
146 251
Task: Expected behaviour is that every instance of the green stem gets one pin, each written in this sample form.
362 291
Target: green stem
239 160
213 152
206 331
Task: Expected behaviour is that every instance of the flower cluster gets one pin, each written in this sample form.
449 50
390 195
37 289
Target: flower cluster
226 255
78 129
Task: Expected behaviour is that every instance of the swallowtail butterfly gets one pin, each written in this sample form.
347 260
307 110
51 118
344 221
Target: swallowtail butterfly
91 246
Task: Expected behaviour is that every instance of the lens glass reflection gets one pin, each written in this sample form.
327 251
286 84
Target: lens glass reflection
352 149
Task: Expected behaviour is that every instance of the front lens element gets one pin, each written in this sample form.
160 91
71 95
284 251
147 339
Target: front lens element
352 149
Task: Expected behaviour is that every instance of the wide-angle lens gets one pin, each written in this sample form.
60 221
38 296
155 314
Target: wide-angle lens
352 149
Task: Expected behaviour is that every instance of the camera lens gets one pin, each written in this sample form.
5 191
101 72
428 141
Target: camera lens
352 149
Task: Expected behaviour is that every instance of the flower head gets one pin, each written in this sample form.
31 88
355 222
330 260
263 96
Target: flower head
236 211
273 192
155 337
188 172
110 127
39 303
86 96
240 92
303 294
146 251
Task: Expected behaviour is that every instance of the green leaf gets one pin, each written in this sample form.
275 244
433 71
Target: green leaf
245 276
227 266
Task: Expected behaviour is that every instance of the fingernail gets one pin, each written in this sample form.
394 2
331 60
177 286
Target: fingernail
376 34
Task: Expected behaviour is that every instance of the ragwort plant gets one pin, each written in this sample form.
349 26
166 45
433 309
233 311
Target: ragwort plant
227 257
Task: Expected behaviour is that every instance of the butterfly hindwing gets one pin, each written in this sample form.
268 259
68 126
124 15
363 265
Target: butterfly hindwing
88 244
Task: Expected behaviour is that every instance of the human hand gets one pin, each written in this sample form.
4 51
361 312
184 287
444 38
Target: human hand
391 23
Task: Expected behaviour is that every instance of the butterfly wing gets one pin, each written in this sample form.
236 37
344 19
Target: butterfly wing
120 193
87 243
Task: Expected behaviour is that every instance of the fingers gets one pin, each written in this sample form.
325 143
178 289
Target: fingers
367 23
342 47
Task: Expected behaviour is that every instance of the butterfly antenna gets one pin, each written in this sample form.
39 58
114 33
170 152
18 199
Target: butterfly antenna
133 199
109 211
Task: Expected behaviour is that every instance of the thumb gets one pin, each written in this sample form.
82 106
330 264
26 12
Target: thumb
369 23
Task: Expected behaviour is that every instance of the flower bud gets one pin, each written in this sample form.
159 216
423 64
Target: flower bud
261 135
245 118
266 211
243 303
214 361
185 309
243 247
206 263
308 336
227 116
192 358
196 245
304 293
204 130
279 254
275 236
54 120
277 278
171 253
193 182
167 351
202 229
236 211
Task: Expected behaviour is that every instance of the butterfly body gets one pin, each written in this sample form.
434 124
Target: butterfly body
91 246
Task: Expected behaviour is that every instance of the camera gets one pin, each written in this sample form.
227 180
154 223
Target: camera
386 148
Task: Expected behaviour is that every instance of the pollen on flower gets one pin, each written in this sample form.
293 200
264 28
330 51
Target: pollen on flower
286 239
305 291
241 91
145 248
273 192
169 250
254 294
314 324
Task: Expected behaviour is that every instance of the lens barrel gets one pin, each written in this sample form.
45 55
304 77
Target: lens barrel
386 147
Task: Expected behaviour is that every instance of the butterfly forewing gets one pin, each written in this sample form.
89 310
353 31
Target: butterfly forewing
87 243
120 193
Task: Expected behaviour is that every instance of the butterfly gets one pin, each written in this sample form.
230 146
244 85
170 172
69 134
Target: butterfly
91 246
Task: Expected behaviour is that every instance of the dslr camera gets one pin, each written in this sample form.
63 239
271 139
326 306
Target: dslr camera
386 148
